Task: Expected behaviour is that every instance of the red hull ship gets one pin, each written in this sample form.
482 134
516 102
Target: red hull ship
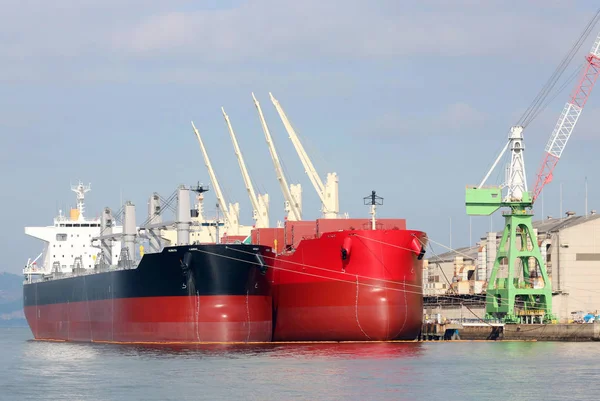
333 282
184 294
188 293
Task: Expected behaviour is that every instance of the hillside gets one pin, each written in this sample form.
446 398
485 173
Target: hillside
11 300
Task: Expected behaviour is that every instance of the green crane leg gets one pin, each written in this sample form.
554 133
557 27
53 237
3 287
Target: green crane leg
513 298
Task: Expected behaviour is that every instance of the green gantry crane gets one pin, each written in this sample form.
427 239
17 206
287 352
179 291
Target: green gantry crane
519 289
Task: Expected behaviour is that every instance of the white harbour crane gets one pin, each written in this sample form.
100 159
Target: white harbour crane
260 202
292 193
231 211
328 193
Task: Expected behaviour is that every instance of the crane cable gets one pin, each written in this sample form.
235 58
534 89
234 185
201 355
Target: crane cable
537 105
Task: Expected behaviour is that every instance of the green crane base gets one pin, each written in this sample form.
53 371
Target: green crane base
516 298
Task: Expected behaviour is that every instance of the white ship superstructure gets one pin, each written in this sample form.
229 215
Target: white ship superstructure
68 242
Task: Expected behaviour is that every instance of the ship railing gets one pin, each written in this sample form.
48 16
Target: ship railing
33 270
84 272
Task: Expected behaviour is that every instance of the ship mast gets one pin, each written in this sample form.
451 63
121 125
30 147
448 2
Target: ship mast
328 193
231 212
373 200
292 200
80 190
260 203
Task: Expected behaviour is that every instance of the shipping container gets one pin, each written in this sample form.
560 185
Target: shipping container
296 231
272 237
329 225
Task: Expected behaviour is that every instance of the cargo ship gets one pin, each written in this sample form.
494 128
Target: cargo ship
333 278
187 293
337 280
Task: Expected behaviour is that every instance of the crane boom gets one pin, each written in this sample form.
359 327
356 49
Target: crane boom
306 162
327 193
568 118
260 216
291 203
229 212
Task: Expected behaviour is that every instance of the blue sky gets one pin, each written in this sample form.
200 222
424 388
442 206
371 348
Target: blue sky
413 101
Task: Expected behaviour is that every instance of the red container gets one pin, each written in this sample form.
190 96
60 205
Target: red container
331 225
272 237
296 231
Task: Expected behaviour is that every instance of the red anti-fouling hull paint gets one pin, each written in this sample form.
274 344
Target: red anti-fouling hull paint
350 286
163 319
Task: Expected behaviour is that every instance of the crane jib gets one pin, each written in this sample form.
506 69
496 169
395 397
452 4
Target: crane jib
568 118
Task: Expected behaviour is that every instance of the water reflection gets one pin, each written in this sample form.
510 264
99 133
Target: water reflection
48 351
466 371
273 350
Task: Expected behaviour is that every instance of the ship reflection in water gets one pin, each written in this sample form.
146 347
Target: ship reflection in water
374 350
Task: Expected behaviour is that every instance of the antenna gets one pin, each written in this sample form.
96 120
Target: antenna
80 191
373 200
199 188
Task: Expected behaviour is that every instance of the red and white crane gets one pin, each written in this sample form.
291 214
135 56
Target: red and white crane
568 118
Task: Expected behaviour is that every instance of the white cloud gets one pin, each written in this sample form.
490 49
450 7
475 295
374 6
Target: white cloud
290 31
63 38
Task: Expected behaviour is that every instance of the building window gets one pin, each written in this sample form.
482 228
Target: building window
61 237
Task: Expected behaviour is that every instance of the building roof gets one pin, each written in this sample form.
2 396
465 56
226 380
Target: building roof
466 252
551 224
543 226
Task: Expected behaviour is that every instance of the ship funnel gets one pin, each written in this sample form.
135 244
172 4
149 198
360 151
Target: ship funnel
184 219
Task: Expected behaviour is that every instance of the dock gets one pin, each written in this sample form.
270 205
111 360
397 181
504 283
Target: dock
449 331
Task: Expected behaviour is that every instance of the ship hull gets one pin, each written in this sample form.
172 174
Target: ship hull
374 294
185 294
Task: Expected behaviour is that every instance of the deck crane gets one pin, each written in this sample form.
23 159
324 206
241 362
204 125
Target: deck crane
328 193
232 211
260 203
292 193
533 301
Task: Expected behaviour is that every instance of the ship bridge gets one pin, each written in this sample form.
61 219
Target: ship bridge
68 242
